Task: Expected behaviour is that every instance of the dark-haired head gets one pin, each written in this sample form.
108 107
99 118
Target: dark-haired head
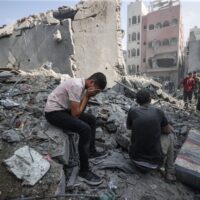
99 80
143 97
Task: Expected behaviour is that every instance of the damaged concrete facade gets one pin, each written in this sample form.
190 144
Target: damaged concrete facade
160 48
193 51
76 41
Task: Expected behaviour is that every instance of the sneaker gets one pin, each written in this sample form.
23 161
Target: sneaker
90 178
97 154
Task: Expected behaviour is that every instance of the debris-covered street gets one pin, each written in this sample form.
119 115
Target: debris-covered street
23 125
41 161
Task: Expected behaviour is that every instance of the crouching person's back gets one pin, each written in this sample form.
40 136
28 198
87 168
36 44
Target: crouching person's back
151 142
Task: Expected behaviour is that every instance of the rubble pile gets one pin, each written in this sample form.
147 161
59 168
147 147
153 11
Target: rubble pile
26 137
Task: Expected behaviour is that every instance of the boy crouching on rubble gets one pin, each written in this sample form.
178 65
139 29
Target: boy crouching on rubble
151 141
65 109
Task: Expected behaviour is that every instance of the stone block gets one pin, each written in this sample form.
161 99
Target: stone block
6 31
28 165
58 146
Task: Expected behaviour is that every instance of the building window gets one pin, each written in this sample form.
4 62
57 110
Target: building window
129 68
144 43
133 52
173 41
138 36
138 52
166 23
129 21
150 44
129 53
129 37
145 27
133 36
138 68
165 42
159 25
138 19
134 20
151 27
144 60
158 43
133 69
174 22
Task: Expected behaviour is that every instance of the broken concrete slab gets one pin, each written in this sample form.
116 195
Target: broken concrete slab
6 31
11 136
28 165
50 19
58 146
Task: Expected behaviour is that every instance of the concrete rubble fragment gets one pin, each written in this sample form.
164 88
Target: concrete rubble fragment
11 136
28 165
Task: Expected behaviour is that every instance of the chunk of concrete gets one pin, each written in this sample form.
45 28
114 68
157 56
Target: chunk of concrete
51 20
6 31
28 165
58 146
10 136
25 23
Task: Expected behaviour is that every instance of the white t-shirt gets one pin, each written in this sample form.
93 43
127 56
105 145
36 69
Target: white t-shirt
60 97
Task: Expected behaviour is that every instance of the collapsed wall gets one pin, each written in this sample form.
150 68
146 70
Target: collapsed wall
77 41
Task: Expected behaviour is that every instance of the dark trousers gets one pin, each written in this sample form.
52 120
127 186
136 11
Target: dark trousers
85 126
198 103
187 96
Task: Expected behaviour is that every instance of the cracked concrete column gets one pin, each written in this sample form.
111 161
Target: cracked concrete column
97 39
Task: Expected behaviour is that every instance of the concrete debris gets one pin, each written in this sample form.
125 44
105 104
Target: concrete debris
11 136
6 31
60 148
50 19
8 104
65 38
27 164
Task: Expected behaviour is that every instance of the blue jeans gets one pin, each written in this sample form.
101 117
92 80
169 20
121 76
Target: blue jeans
85 126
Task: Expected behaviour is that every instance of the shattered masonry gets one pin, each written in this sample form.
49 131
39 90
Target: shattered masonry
22 123
76 41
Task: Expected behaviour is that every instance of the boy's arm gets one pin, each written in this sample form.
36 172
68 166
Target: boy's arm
77 108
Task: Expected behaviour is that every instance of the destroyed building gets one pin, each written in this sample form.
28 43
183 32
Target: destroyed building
70 40
193 50
155 41
38 160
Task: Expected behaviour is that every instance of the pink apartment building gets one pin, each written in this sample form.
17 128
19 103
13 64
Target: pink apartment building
159 50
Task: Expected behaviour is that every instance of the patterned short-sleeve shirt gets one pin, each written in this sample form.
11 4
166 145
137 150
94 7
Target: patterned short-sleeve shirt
69 90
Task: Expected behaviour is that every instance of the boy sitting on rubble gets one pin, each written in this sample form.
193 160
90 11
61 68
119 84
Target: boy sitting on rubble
65 109
151 142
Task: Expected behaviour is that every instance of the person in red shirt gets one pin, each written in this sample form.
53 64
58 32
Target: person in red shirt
188 87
